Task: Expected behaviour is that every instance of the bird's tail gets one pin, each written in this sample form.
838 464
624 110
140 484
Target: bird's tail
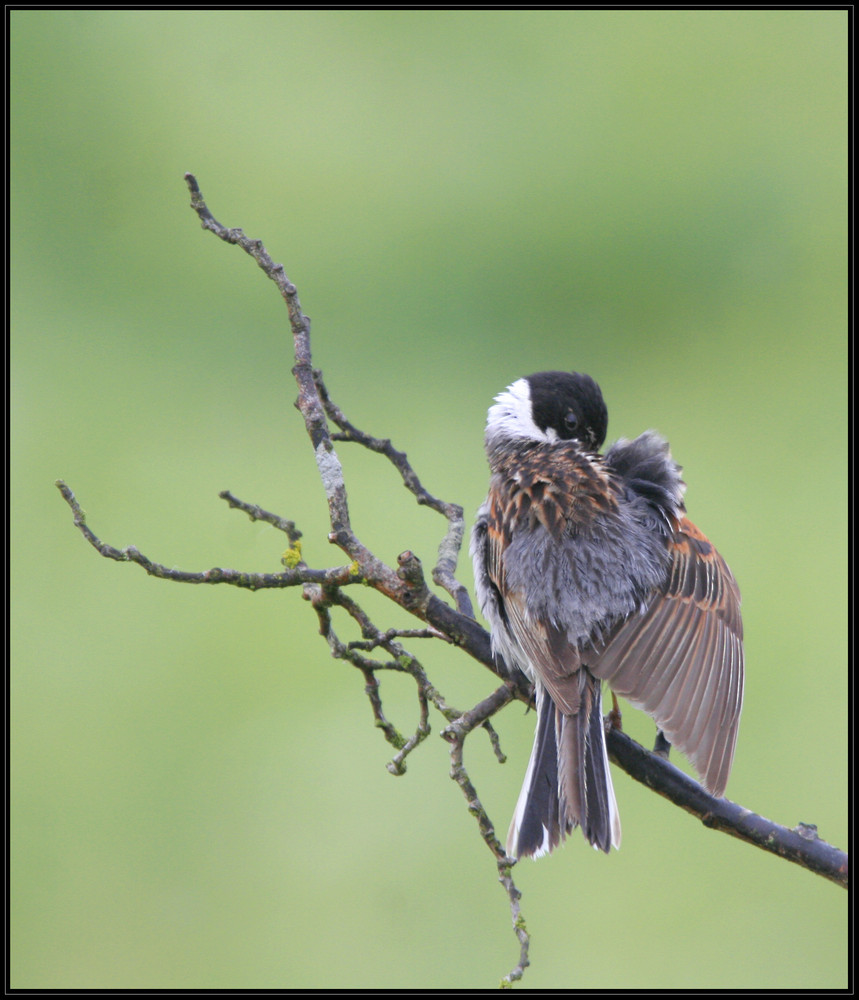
568 782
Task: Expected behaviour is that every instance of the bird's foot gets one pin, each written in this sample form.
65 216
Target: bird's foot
614 719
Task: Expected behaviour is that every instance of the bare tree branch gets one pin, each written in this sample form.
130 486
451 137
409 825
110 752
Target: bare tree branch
380 650
339 576
448 551
455 734
800 844
256 513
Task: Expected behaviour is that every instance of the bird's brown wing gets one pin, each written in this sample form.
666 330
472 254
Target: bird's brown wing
681 658
551 656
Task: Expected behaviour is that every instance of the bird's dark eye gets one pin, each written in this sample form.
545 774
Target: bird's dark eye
571 422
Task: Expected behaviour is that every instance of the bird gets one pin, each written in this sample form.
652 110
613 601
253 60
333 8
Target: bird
588 570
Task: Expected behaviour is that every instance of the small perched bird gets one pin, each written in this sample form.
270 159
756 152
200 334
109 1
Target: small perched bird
588 570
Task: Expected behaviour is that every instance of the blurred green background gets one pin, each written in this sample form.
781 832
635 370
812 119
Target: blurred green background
199 797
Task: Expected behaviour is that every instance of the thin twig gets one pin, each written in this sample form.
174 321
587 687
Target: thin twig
448 551
399 633
455 734
256 513
322 601
340 576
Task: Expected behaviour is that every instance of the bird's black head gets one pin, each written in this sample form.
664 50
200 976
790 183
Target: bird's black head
571 405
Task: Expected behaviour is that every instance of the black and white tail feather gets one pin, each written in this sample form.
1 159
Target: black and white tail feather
568 781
